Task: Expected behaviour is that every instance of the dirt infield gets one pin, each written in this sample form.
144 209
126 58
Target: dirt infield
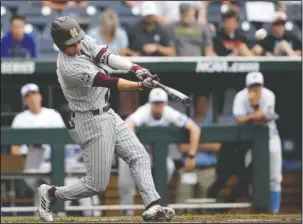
219 218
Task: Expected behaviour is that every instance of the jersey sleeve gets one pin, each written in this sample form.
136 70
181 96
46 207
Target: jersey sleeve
238 106
175 117
139 116
57 121
270 103
17 122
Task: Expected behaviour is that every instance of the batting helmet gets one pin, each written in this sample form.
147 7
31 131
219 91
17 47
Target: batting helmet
66 31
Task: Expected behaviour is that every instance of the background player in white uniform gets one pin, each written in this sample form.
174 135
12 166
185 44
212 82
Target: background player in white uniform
155 113
255 103
82 73
73 163
35 116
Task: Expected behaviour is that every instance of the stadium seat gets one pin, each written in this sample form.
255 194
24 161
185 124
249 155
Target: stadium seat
294 28
14 5
80 13
95 21
5 18
127 21
46 48
214 12
266 26
294 12
249 31
120 8
35 16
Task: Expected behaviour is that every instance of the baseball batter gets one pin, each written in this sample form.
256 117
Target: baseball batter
82 73
156 113
255 103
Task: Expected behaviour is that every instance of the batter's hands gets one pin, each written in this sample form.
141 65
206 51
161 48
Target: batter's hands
143 73
148 83
189 164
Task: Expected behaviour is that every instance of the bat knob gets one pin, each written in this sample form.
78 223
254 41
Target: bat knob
187 101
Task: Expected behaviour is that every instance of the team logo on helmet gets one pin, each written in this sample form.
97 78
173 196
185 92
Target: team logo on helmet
73 32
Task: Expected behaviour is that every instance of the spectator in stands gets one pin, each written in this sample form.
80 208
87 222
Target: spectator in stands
60 5
16 43
204 174
229 40
168 11
110 33
147 37
279 42
190 37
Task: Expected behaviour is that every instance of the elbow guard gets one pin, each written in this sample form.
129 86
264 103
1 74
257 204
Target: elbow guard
113 60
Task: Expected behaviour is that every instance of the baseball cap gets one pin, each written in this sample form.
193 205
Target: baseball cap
253 78
186 5
30 87
157 95
149 8
279 17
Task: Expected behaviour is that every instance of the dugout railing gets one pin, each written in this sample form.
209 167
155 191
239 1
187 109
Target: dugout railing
159 137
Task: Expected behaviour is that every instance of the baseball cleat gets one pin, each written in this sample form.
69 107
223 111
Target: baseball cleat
45 203
169 213
154 213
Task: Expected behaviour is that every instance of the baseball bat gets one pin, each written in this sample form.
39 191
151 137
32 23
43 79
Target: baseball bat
174 94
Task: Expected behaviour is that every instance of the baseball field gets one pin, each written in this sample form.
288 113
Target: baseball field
219 218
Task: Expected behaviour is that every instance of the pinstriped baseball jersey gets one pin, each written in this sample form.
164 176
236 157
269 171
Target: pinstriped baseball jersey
76 75
100 136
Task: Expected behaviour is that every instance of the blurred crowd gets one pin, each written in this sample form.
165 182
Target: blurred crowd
160 28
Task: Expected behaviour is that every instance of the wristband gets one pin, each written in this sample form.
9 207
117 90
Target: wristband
140 85
190 156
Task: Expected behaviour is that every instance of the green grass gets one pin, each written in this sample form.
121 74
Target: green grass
226 218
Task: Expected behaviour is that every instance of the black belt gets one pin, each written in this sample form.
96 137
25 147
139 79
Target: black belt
97 111
70 123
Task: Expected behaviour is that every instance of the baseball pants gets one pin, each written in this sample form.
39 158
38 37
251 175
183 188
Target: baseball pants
102 136
275 162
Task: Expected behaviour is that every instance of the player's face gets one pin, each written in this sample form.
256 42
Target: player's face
256 89
230 24
157 108
74 49
17 28
202 105
33 100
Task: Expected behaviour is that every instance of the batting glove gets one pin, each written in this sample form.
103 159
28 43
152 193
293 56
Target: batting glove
143 73
148 83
